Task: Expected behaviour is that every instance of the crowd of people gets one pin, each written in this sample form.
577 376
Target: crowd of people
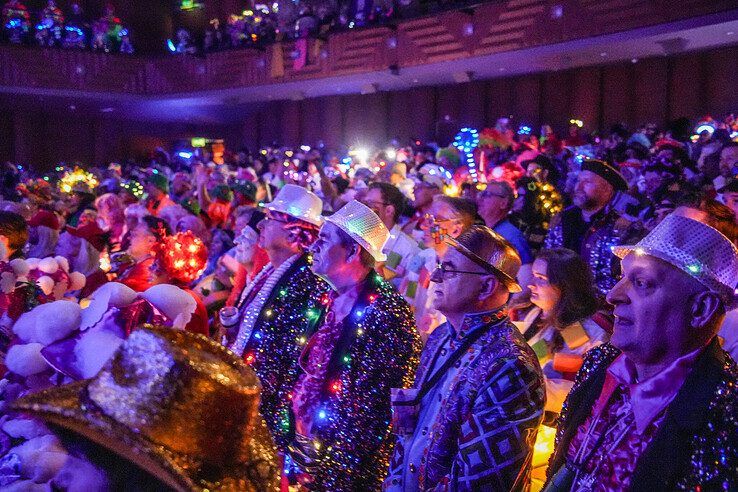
72 30
411 319
266 23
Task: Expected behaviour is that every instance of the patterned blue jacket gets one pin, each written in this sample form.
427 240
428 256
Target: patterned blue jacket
484 433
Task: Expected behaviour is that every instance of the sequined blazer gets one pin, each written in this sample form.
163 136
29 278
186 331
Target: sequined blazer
290 315
607 229
378 349
695 448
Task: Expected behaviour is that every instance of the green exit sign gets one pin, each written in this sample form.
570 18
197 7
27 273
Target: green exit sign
189 5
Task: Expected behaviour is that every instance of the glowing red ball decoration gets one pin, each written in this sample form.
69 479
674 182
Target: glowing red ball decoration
182 256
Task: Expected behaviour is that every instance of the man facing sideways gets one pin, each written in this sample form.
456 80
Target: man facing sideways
366 345
656 408
282 305
495 204
470 420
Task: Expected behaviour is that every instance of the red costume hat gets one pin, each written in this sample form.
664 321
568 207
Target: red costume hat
91 233
46 219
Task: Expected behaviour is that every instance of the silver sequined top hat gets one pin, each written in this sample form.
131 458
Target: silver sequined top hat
299 203
694 248
363 225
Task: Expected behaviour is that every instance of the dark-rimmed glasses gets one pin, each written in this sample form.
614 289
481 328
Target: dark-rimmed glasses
444 270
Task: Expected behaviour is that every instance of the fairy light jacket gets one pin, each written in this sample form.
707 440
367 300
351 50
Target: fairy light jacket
293 311
378 349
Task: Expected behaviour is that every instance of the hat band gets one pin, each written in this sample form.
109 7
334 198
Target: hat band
478 259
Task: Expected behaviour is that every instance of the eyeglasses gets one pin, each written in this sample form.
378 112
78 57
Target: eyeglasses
440 267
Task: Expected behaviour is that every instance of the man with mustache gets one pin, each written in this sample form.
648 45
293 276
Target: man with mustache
655 409
592 226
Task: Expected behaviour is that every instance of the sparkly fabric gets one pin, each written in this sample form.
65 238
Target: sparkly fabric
179 406
612 469
695 248
607 229
290 315
363 225
488 417
377 350
696 444
314 361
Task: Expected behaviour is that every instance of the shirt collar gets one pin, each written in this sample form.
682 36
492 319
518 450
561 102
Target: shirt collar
473 321
650 397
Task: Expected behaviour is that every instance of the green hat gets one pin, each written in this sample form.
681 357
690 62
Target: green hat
160 181
246 188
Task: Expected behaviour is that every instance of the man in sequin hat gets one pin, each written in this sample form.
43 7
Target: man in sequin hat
470 420
282 305
366 345
657 407
592 225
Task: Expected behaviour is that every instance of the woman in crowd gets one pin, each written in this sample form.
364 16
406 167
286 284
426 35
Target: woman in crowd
133 214
111 216
562 323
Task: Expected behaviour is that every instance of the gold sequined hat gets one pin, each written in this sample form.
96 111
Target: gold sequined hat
364 226
299 203
177 405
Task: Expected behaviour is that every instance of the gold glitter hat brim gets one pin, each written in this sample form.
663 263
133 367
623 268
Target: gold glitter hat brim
64 406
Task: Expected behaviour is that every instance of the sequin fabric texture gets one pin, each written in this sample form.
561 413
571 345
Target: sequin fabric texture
290 315
488 419
378 349
696 445
606 230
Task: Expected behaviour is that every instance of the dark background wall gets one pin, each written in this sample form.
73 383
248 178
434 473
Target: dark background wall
651 90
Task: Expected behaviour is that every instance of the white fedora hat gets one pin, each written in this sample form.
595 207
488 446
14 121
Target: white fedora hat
363 225
695 248
299 203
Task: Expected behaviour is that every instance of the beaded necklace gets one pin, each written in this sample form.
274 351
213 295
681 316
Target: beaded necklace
253 310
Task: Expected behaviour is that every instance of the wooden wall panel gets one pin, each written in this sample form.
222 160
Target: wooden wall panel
650 91
617 95
686 89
